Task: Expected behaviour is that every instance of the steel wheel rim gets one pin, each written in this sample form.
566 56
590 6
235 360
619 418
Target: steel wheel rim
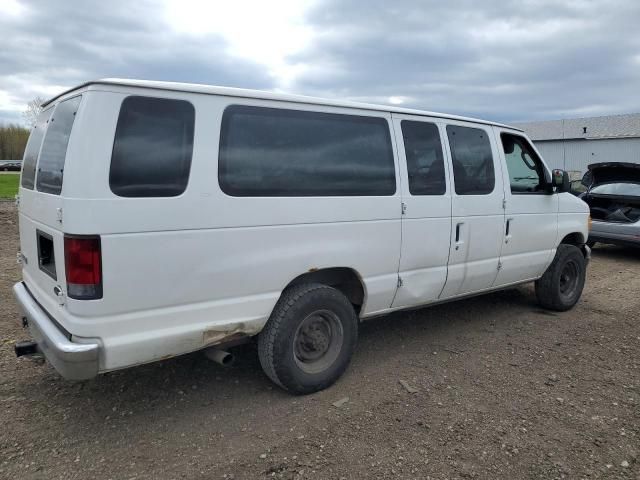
569 279
318 341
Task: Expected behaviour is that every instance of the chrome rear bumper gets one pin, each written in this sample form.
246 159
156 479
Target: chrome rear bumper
74 361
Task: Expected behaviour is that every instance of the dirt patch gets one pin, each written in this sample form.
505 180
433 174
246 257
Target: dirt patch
504 390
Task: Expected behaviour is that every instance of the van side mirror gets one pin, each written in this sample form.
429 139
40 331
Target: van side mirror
560 180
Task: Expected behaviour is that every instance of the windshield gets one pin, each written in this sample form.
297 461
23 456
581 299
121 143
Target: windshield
622 188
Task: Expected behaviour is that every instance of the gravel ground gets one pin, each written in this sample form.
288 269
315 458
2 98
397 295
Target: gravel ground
501 389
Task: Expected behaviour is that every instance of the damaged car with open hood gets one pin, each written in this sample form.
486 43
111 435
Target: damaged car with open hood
613 195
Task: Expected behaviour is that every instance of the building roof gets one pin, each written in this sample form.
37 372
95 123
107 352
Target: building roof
260 94
611 126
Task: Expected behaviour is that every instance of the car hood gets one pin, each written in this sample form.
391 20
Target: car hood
609 172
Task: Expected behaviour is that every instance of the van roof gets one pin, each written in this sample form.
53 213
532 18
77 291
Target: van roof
260 94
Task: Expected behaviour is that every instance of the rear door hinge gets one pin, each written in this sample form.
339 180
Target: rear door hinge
504 203
400 283
59 214
403 208
499 265
21 259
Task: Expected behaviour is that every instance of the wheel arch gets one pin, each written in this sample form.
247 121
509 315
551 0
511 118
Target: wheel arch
575 238
345 279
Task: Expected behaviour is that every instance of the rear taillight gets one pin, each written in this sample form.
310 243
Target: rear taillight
82 260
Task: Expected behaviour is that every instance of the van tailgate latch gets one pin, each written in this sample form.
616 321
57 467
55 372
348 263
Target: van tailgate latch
59 293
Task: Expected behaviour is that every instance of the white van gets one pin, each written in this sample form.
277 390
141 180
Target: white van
159 218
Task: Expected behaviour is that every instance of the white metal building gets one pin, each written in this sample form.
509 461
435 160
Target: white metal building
572 144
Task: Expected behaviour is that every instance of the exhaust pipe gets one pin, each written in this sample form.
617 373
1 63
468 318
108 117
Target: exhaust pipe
26 348
221 357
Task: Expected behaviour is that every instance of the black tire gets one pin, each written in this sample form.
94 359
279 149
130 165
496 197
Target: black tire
561 285
309 338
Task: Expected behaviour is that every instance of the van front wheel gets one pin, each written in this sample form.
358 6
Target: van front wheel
309 339
561 285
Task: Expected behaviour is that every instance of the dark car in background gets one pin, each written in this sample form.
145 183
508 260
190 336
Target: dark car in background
612 191
10 165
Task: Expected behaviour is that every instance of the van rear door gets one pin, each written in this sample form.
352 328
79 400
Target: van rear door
40 207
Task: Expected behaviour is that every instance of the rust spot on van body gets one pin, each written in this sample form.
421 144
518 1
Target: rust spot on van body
232 334
211 337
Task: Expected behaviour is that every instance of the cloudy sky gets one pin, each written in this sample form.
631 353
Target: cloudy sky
506 60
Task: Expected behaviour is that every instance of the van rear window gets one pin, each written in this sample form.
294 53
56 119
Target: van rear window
54 147
269 152
152 147
30 159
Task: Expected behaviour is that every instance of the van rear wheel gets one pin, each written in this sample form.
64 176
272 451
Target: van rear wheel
561 285
309 339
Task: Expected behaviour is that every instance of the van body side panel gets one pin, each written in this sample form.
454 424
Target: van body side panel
87 165
572 216
199 283
184 272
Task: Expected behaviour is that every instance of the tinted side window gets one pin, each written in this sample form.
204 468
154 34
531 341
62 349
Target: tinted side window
425 163
54 147
152 147
32 149
288 153
473 172
526 173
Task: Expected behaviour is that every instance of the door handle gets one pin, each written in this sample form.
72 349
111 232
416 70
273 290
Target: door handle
507 233
458 228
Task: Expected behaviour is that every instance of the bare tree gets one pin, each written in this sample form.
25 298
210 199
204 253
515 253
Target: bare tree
13 139
34 107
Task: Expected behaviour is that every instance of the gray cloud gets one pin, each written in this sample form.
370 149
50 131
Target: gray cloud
67 43
505 60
